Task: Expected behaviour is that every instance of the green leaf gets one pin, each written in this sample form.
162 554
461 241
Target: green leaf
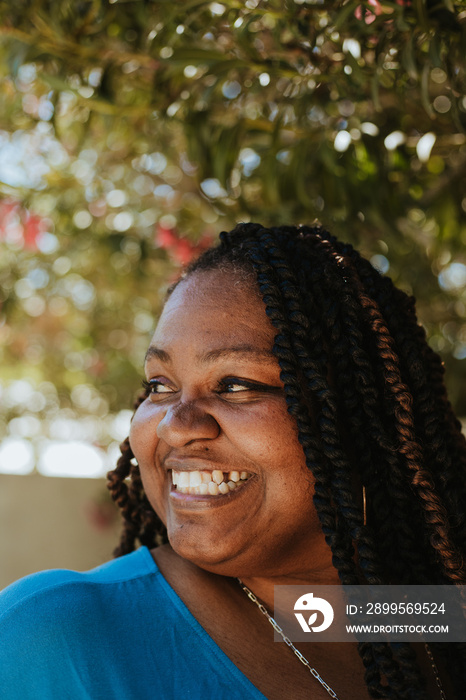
342 16
408 59
425 91
375 86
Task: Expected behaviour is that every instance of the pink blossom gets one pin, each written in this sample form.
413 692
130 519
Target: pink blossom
368 15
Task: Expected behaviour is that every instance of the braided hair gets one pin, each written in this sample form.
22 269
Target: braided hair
368 397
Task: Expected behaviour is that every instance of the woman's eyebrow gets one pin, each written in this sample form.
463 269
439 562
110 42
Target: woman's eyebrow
159 354
246 352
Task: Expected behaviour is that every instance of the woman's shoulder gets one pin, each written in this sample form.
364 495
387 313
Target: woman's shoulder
57 589
63 633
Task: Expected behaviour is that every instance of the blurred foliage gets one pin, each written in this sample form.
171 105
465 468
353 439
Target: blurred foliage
131 132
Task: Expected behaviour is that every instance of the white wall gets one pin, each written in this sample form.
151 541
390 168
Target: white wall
48 523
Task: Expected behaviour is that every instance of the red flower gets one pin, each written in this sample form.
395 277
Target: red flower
368 15
32 227
165 237
181 250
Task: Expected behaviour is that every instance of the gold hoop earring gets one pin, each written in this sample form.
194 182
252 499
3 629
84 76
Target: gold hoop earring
364 513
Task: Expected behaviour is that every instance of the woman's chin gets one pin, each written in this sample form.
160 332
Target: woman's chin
210 552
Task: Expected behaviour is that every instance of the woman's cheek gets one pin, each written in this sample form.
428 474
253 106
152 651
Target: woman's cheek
156 488
143 440
134 437
143 434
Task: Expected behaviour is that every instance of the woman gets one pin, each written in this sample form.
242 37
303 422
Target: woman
294 429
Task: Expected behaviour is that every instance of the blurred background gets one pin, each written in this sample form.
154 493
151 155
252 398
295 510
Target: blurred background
131 133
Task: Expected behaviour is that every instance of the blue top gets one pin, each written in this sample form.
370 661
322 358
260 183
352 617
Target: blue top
118 632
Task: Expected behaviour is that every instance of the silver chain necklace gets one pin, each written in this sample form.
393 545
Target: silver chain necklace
306 663
288 641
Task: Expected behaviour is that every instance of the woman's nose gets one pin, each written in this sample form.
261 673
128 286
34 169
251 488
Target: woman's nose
186 422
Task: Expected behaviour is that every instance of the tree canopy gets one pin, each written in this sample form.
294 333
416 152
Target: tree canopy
132 132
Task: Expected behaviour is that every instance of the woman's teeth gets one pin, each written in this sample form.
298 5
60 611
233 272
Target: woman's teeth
203 483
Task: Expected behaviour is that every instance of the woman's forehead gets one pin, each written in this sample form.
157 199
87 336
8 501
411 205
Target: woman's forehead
223 289
218 306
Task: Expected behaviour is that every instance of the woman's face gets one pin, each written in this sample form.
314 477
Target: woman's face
217 413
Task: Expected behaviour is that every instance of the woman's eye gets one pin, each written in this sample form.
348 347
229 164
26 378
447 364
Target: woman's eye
232 387
156 387
236 386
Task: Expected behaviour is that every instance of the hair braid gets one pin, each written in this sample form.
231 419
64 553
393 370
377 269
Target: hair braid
443 450
372 674
140 522
378 465
422 479
392 474
366 548
120 494
401 403
359 406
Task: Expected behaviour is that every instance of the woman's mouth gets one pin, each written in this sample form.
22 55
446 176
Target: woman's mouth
205 483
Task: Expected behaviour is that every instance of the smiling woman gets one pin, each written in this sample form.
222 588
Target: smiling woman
293 429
